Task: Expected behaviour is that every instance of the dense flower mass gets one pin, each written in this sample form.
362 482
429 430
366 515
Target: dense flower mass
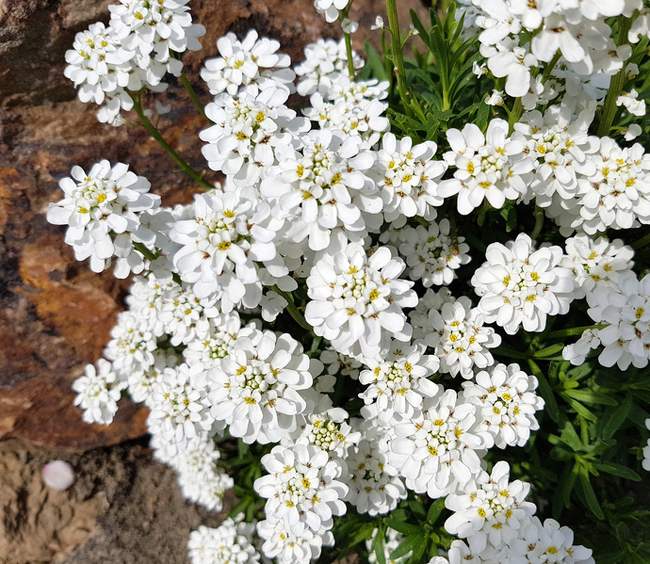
297 330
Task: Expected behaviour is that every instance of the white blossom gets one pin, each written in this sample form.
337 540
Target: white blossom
520 285
302 486
252 63
398 382
98 391
231 542
100 206
437 449
508 401
356 300
491 166
256 389
491 509
458 336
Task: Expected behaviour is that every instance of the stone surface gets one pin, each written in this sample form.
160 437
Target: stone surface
123 507
55 315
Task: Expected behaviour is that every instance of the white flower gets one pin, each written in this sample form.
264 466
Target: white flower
508 402
99 66
397 382
379 23
436 450
512 62
181 312
458 336
632 103
289 543
373 490
597 262
356 300
252 63
623 315
337 363
98 206
154 31
180 407
493 166
330 9
560 142
351 108
576 353
231 236
322 187
633 131
248 131
548 543
98 392
143 382
199 476
491 510
407 177
302 486
256 389
324 62
431 253
215 339
231 542
131 346
617 196
329 431
520 286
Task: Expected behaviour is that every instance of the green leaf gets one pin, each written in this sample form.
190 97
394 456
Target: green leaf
570 437
549 351
562 497
361 534
589 495
551 406
403 527
407 546
588 396
618 470
616 417
378 546
435 510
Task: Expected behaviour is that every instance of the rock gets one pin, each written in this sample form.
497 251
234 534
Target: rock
55 315
123 507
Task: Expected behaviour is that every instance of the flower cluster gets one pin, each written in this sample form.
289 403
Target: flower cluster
316 306
140 45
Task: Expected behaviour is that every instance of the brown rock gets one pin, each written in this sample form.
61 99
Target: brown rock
55 315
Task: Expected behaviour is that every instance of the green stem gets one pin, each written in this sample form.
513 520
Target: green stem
153 131
616 86
551 65
573 331
196 101
396 49
294 312
348 55
539 223
515 114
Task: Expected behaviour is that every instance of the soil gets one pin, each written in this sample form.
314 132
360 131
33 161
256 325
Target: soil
123 508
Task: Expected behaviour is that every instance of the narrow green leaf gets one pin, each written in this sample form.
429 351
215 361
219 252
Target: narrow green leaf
618 470
406 546
435 510
616 418
589 495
